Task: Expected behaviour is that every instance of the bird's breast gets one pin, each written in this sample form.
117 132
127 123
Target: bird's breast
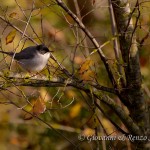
37 63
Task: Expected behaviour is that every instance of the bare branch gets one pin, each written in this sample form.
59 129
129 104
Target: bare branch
19 30
18 80
108 117
131 126
44 122
93 40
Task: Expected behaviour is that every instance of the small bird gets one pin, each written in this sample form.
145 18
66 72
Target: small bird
32 58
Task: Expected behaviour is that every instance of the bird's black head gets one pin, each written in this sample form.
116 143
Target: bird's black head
42 49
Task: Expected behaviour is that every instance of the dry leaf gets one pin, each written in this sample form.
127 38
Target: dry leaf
36 107
10 37
87 75
13 15
85 66
39 107
85 71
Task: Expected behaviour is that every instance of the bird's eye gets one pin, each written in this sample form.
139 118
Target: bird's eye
45 49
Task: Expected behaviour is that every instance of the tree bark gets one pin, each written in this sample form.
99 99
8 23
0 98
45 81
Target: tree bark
131 95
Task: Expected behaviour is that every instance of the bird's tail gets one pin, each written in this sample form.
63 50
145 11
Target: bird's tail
8 53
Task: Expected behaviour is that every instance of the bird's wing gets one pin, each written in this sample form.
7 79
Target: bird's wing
26 53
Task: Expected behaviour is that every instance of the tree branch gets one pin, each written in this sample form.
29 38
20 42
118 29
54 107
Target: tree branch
62 82
20 31
132 96
93 40
113 123
19 80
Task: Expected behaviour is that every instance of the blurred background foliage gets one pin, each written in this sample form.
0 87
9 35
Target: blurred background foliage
67 110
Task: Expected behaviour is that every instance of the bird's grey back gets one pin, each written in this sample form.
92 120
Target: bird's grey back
26 53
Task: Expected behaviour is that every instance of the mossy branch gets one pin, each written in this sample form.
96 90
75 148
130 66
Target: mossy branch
61 82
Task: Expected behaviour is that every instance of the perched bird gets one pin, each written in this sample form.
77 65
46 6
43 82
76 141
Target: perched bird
32 58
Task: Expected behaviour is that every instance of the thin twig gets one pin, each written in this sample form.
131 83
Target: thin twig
82 34
20 31
44 122
31 39
28 19
93 40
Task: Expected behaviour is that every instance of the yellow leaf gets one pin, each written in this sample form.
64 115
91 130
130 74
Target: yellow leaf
88 131
39 107
10 37
85 66
75 110
87 75
28 108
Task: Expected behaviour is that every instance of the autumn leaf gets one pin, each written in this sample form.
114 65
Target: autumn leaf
85 66
39 107
10 37
88 75
85 71
75 110
13 15
36 107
